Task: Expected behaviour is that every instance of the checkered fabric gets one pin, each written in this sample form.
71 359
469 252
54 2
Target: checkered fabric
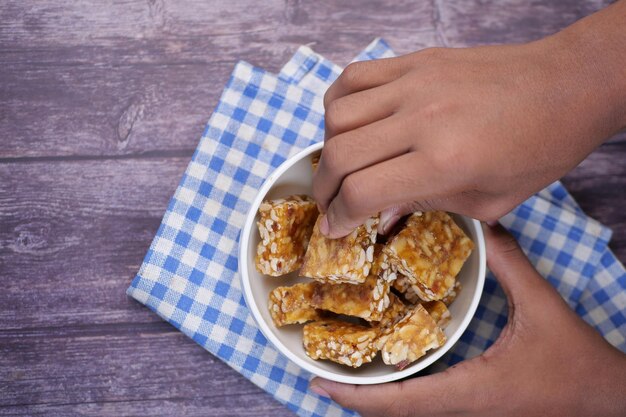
315 73
189 275
541 225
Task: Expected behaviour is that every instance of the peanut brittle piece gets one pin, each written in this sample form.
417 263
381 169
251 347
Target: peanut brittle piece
411 338
452 293
381 266
430 252
347 259
315 160
410 293
285 225
439 312
292 305
393 314
345 343
404 287
367 301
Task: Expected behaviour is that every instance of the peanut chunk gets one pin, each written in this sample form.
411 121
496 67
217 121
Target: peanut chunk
452 294
292 305
345 343
367 301
439 312
347 259
394 313
404 286
411 338
430 251
285 226
315 160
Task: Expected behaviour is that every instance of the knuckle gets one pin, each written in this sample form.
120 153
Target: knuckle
332 158
435 110
328 96
352 195
333 115
351 75
440 161
450 158
432 53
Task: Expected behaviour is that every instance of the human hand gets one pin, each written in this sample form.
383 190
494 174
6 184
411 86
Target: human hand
473 131
546 362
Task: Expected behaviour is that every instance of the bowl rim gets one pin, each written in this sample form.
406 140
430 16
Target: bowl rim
269 334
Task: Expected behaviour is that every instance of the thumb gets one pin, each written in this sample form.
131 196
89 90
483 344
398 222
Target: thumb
390 216
408 397
368 400
509 263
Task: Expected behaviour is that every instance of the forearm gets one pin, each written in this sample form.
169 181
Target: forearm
594 53
603 393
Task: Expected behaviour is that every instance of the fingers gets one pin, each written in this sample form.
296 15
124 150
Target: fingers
360 76
510 265
390 216
361 108
368 191
352 151
367 400
410 397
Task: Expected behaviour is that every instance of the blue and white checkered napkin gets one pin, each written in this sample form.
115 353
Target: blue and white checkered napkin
189 275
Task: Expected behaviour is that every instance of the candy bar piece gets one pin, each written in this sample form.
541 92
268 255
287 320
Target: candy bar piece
292 305
347 259
452 293
381 266
385 270
403 286
315 161
411 338
430 252
367 301
394 313
345 343
285 226
410 293
439 312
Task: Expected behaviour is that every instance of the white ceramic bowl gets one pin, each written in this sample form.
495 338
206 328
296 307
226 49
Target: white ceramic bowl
294 176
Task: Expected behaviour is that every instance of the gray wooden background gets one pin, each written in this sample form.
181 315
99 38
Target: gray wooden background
101 106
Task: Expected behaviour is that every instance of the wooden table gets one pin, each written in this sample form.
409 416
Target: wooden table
101 107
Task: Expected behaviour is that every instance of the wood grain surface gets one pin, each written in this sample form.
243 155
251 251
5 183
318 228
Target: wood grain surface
101 107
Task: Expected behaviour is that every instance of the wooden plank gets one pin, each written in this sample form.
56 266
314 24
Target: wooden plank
102 106
75 232
148 369
598 185
73 236
478 22
259 405
84 78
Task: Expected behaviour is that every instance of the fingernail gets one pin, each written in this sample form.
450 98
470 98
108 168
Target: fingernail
319 391
387 220
492 223
324 227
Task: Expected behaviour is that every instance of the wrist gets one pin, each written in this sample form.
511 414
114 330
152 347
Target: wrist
604 394
593 60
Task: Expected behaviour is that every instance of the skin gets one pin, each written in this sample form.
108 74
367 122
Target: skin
474 131
546 362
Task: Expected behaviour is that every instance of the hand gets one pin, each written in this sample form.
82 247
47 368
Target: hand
474 131
547 361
